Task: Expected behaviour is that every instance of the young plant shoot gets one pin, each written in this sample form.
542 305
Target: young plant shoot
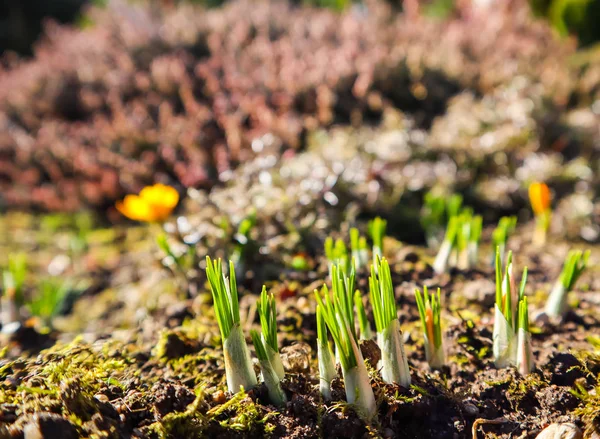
325 357
429 311
389 336
500 235
432 217
269 374
339 317
503 336
524 353
363 321
473 240
377 229
358 246
507 308
268 322
539 196
450 239
575 264
13 280
337 253
238 365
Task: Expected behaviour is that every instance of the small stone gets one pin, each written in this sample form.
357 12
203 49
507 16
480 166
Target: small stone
101 397
470 409
560 431
49 426
296 358
219 397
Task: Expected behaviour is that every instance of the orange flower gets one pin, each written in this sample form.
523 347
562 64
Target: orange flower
153 204
539 196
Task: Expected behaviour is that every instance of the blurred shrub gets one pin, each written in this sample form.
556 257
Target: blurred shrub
575 17
181 96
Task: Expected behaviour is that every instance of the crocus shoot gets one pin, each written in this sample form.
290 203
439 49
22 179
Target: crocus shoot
325 357
238 365
575 264
269 374
340 323
389 336
507 313
429 311
358 246
539 196
501 233
337 253
448 244
268 322
377 229
363 321
503 336
524 353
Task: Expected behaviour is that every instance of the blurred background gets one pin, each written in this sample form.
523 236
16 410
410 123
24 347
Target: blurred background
21 22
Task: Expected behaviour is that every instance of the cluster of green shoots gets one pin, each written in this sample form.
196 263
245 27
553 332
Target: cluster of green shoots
338 311
501 233
460 246
429 312
239 370
336 251
511 337
574 265
46 302
341 314
437 211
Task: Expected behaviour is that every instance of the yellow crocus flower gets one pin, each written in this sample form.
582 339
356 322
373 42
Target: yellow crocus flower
153 204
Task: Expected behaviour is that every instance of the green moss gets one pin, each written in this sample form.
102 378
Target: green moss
189 424
242 414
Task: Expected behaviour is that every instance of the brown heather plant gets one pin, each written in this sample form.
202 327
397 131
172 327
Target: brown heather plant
177 95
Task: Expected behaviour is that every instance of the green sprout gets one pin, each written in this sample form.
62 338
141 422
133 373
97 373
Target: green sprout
238 365
50 299
453 205
325 357
506 320
461 243
429 310
13 281
337 253
524 360
433 217
377 228
389 336
270 375
338 315
437 211
363 321
358 246
268 322
242 238
501 233
574 265
449 243
474 238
